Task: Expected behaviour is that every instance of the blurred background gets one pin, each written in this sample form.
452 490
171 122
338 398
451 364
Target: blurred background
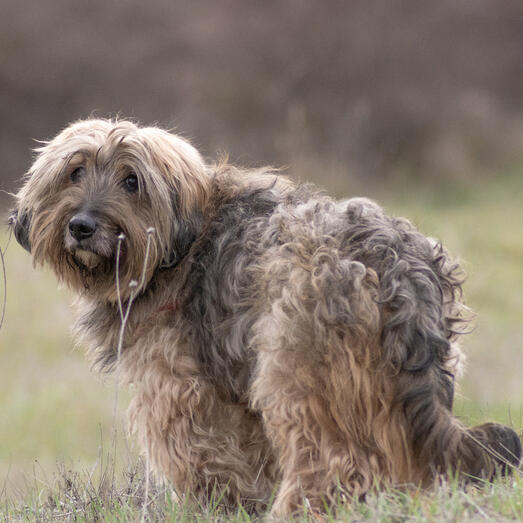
417 104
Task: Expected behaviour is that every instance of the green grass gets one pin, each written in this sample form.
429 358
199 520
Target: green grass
55 410
74 496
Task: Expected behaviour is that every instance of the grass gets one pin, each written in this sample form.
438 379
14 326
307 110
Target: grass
75 496
56 417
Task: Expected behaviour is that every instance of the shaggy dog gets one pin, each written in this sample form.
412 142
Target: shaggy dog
277 339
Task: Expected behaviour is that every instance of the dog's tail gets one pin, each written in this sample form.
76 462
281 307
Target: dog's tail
475 454
440 443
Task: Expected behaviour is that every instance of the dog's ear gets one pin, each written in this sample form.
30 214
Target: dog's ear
183 185
183 237
184 231
181 167
21 223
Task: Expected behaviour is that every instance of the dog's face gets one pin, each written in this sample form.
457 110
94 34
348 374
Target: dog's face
103 191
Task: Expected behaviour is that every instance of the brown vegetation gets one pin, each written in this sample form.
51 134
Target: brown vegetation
432 87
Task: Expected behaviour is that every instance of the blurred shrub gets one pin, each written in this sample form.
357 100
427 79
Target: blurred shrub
379 86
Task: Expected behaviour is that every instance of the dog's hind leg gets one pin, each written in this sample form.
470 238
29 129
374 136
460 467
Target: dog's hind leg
318 463
310 378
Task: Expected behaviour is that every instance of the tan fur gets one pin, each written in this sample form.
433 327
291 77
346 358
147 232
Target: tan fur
277 339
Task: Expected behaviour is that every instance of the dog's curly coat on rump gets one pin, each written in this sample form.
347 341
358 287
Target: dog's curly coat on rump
278 338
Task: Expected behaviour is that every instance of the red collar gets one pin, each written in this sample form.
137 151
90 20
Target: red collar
169 306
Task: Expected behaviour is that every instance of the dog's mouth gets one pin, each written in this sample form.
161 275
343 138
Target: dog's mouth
86 259
92 254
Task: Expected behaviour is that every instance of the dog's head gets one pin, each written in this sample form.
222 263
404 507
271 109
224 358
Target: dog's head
105 190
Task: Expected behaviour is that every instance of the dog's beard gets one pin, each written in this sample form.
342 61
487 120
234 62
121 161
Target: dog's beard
92 254
85 270
87 259
88 268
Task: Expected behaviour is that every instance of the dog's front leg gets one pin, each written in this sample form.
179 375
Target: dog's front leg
205 446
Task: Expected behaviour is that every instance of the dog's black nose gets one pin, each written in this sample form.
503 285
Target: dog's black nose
82 226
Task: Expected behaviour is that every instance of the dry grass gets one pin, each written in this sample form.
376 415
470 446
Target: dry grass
75 496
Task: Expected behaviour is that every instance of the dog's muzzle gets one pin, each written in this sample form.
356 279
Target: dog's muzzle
82 228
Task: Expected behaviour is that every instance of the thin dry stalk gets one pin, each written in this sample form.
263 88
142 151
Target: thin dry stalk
4 275
136 287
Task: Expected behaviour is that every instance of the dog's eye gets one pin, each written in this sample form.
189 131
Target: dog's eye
131 183
77 174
